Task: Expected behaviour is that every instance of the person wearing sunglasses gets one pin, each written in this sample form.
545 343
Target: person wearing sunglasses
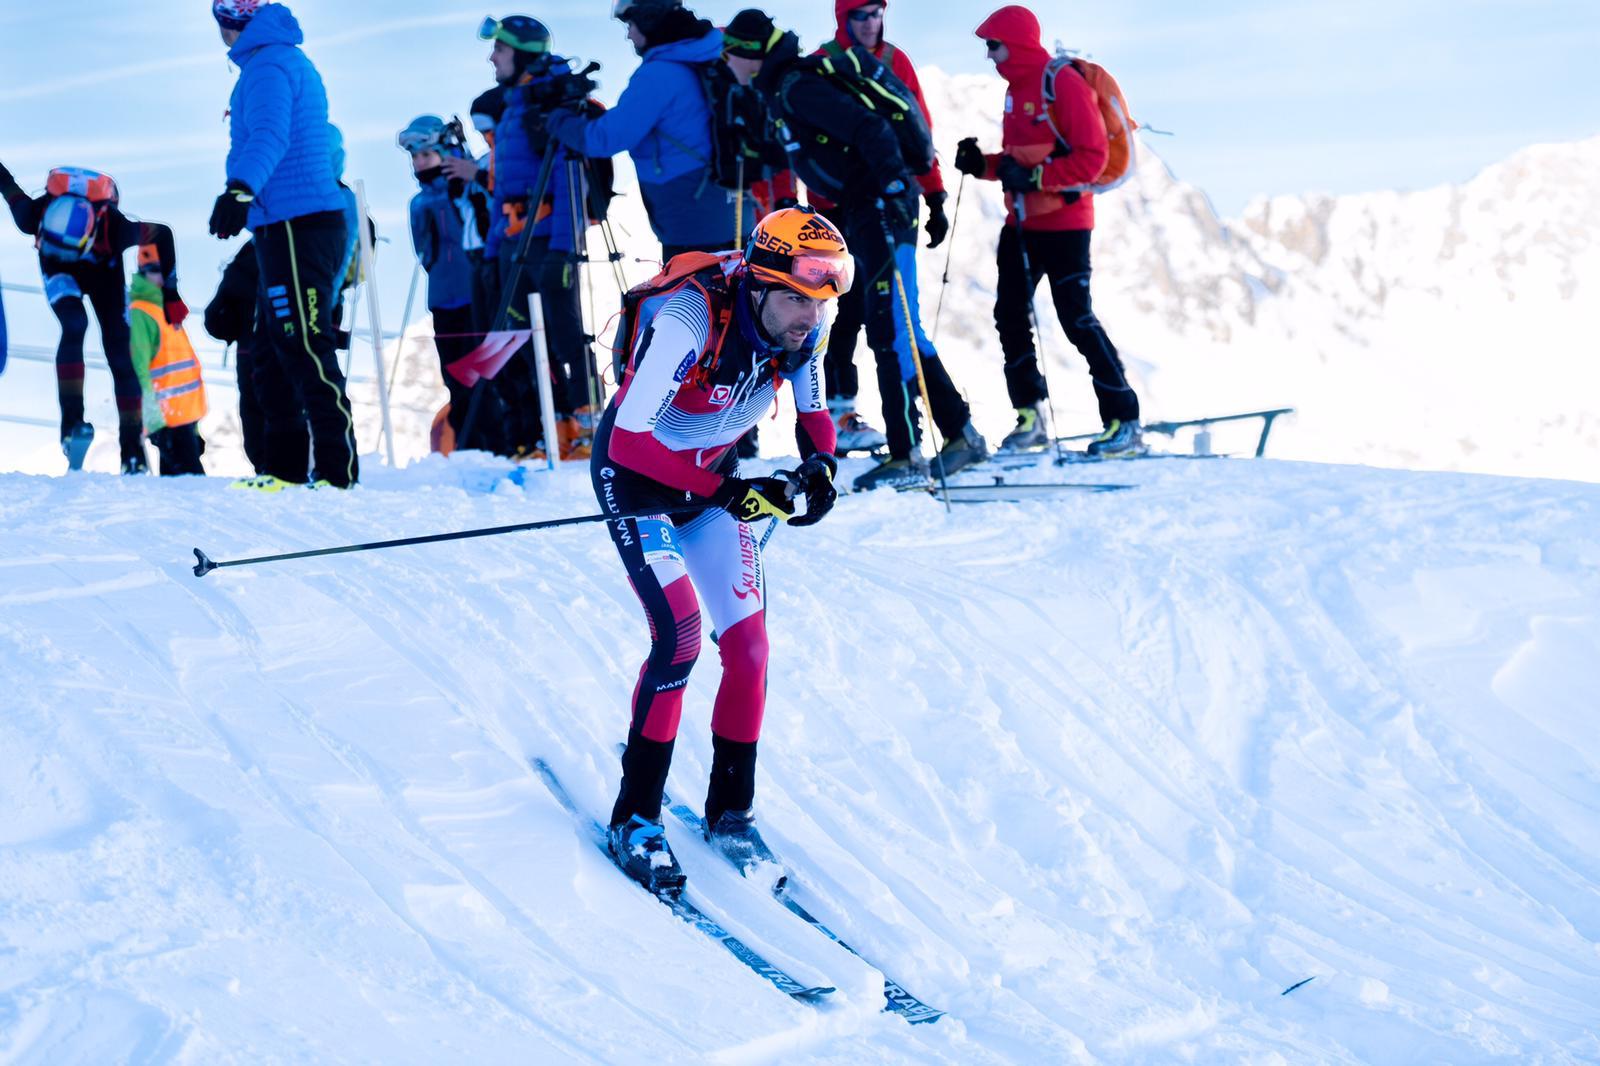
1047 231
704 369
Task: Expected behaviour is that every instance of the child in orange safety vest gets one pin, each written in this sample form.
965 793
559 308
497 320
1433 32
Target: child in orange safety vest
169 374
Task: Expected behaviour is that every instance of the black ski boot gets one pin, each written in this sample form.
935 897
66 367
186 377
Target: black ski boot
730 815
960 452
736 837
640 848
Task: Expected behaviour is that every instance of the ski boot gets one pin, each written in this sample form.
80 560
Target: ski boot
75 444
736 837
911 472
855 433
641 850
1121 440
961 452
262 483
1030 433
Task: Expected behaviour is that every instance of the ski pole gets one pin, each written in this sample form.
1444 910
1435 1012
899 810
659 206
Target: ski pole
916 354
204 564
738 210
944 282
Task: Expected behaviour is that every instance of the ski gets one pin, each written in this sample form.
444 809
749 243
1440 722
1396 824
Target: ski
1013 492
896 999
681 907
1025 460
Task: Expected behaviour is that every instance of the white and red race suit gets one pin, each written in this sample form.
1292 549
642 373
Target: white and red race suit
701 375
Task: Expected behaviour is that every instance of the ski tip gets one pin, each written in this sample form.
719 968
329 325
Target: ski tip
203 565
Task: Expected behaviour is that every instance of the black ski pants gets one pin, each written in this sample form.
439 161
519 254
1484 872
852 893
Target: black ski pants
454 337
107 292
301 383
180 448
1061 257
839 361
886 272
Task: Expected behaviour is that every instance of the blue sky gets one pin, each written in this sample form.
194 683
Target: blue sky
1263 97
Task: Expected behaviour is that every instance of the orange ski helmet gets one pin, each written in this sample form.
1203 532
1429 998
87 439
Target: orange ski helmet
801 250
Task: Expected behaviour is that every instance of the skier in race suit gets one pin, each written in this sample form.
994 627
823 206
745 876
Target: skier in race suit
703 371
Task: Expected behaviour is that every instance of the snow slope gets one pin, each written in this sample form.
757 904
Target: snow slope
1100 776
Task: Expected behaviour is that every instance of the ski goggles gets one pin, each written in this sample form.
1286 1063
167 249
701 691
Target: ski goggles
822 275
518 31
414 141
749 49
862 14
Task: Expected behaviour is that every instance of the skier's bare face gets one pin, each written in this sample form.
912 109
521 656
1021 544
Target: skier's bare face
788 317
503 58
745 70
866 25
636 38
229 37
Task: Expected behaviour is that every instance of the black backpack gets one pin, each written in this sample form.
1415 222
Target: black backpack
870 81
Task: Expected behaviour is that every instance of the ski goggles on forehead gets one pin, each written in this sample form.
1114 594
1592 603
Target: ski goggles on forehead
505 31
415 141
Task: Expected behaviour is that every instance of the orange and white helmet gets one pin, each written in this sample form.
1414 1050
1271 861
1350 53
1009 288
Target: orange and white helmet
801 250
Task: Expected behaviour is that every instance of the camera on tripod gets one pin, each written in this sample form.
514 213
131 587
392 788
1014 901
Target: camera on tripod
564 90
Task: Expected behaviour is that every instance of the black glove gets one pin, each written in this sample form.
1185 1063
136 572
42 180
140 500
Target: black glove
938 227
969 157
232 210
9 189
751 499
1014 177
815 478
899 209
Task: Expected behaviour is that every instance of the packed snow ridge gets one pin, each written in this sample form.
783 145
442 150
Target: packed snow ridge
1100 776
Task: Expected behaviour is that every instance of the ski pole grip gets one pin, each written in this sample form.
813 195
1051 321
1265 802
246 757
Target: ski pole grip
202 564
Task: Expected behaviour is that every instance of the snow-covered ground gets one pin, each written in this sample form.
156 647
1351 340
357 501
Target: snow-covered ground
1101 776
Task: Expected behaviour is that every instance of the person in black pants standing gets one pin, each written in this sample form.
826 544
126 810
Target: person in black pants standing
230 317
283 185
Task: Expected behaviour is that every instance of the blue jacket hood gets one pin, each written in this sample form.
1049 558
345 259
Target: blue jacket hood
701 50
273 24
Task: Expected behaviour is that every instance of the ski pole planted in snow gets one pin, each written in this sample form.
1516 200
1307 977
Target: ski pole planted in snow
204 564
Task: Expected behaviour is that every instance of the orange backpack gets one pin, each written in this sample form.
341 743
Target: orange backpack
1121 156
709 271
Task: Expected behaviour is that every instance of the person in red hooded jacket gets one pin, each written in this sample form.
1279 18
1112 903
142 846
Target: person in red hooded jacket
1050 219
861 23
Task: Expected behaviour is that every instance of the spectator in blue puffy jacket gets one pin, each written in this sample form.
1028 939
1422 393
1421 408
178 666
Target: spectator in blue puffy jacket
663 122
283 185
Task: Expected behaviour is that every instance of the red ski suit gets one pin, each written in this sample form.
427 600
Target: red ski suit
1025 132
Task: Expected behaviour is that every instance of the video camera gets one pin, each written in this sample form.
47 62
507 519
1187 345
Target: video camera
564 90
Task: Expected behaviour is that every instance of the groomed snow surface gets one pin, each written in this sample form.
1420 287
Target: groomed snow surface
1100 775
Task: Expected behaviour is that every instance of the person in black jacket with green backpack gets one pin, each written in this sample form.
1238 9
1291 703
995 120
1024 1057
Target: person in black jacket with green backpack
855 157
